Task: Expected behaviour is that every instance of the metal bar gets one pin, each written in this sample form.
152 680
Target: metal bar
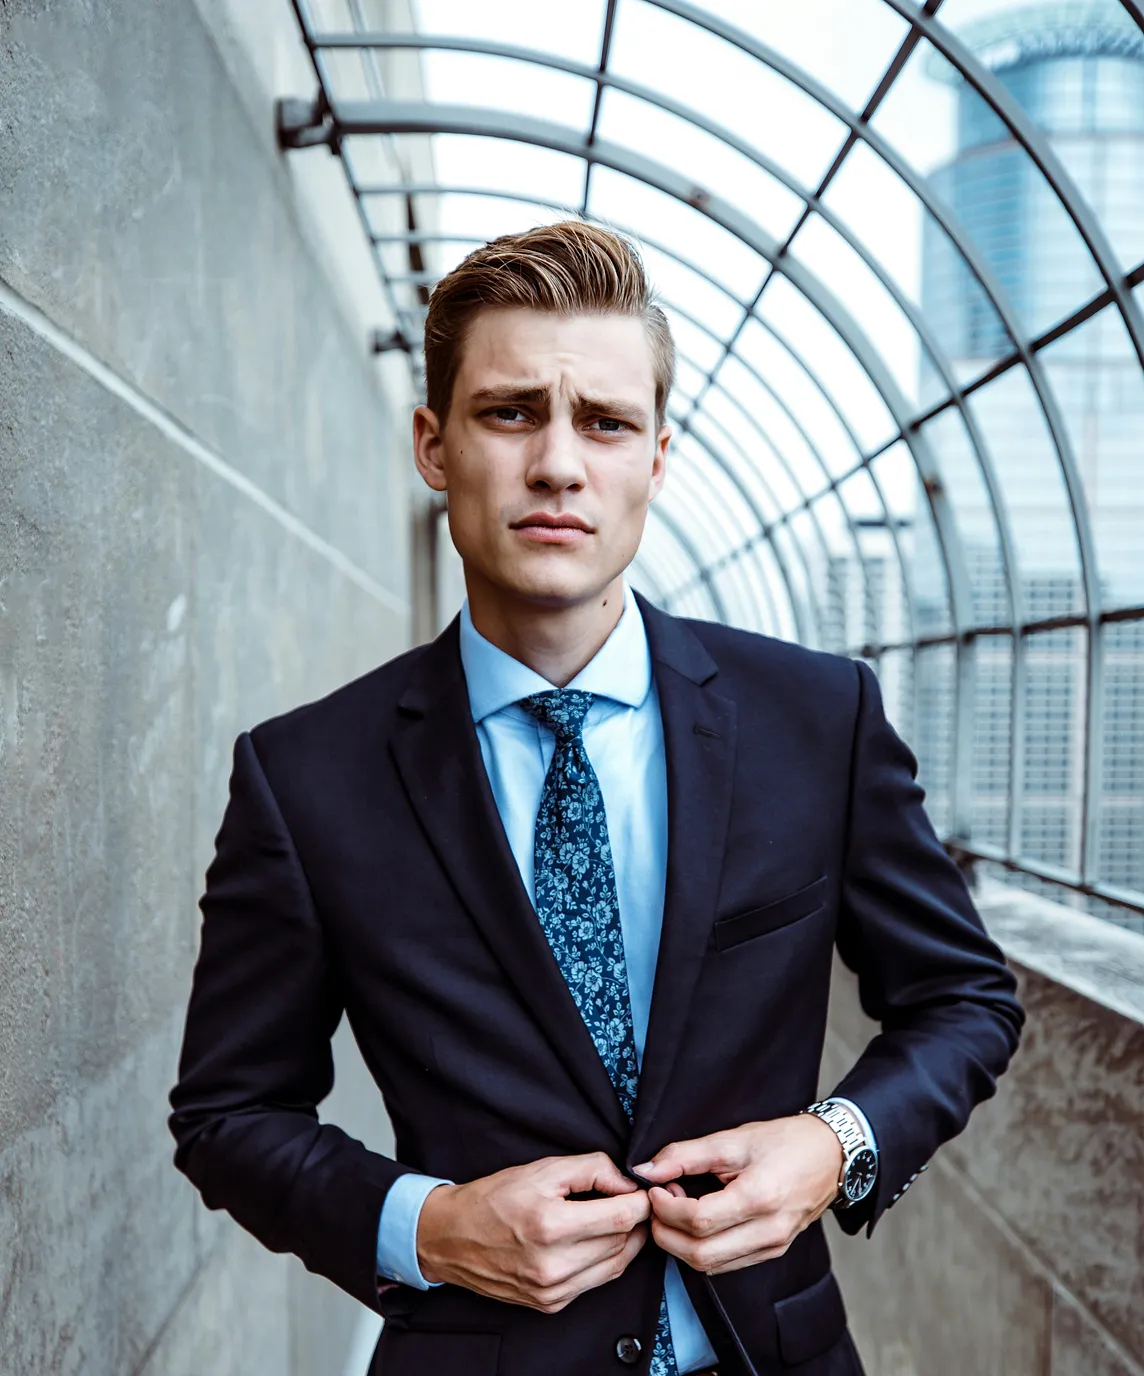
765 525
689 550
602 67
687 425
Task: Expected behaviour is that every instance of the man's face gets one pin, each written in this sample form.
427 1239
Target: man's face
550 455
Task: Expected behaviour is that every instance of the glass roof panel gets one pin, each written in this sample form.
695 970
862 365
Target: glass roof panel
980 540
948 130
895 670
621 200
719 312
769 409
897 477
844 273
486 217
793 572
752 466
372 161
1098 382
504 83
504 165
765 462
726 85
773 596
798 321
1108 173
740 598
575 32
1033 488
845 45
801 393
919 256
710 164
704 470
696 343
688 378
808 540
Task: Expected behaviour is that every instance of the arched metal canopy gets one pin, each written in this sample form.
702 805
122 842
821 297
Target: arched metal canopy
870 498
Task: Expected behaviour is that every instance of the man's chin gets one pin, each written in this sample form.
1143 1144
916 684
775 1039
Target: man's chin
555 590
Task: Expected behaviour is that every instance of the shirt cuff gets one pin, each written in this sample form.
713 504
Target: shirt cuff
863 1121
397 1229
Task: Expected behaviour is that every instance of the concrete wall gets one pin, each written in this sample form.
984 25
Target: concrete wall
203 516
1020 1252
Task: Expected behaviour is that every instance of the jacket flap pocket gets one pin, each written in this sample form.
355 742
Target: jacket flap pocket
811 1322
730 931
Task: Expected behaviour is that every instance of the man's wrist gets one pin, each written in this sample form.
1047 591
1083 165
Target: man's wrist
397 1255
859 1148
432 1225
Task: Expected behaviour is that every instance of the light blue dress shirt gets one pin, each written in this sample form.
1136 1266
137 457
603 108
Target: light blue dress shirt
623 734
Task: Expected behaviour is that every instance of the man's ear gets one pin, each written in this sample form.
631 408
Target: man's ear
659 462
427 446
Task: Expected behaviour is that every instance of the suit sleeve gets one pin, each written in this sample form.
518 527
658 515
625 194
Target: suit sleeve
927 971
256 1058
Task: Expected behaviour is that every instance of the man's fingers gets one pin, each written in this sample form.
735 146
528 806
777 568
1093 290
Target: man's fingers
759 1240
557 1297
590 1218
581 1174
713 1213
721 1153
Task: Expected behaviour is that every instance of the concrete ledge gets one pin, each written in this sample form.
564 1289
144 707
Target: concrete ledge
1097 959
1022 1251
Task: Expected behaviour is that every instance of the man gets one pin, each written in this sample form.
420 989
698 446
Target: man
575 872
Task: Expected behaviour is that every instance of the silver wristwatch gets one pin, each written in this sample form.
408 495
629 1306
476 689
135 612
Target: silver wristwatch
860 1160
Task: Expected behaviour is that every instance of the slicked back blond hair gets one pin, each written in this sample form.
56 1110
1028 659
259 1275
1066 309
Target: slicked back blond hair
570 268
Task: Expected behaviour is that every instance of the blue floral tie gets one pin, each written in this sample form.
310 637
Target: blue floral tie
579 910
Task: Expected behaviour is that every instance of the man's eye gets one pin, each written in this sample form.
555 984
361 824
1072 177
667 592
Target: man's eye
508 413
610 425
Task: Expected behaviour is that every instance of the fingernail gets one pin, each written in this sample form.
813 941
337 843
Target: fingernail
643 1170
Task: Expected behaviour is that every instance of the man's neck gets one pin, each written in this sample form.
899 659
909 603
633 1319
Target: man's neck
555 642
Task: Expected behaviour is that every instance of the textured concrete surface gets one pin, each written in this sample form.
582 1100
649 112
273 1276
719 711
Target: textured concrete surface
1021 1251
203 515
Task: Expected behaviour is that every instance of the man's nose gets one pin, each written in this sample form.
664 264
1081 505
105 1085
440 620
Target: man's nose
556 461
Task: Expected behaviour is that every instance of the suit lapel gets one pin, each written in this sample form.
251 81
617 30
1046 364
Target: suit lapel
439 759
699 729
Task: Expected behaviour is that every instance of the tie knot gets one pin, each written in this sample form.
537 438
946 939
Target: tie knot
562 710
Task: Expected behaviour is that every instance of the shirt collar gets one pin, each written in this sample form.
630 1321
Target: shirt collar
620 669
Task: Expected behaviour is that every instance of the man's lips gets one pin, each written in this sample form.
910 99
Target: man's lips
547 529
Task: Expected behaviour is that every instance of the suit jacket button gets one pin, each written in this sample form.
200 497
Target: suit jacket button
628 1350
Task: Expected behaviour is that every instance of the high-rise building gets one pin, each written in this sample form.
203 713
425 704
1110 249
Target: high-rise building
1077 70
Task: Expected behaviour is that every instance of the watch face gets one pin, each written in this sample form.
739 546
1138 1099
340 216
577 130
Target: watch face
860 1175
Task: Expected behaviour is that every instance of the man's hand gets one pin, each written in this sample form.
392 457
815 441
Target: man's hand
516 1236
778 1178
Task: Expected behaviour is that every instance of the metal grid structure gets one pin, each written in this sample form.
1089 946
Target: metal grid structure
810 469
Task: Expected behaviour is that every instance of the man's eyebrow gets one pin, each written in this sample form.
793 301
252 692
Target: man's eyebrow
512 392
610 406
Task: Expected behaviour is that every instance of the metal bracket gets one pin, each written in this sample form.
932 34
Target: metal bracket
386 343
302 123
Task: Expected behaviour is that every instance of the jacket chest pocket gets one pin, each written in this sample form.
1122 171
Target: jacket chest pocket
770 917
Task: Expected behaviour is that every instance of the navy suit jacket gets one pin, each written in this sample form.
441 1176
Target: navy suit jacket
361 868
